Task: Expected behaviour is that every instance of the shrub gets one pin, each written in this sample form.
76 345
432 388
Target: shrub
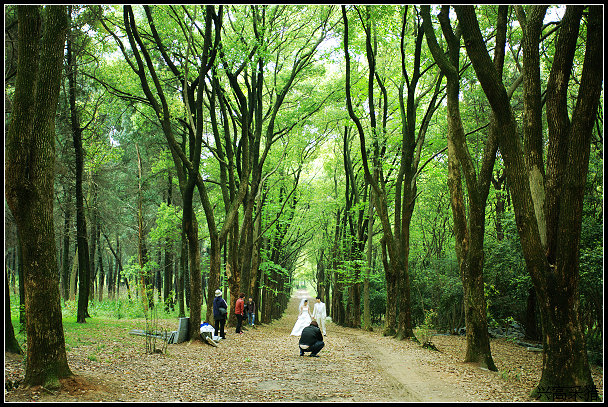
425 332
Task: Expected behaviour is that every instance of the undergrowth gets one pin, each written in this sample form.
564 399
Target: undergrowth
115 317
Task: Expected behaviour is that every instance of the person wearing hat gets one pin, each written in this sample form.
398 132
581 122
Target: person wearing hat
220 310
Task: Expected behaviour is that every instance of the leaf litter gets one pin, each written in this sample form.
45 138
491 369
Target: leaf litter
264 365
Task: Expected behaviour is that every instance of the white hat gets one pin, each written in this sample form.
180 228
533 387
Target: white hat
218 293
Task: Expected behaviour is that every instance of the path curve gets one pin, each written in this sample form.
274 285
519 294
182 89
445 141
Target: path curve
261 365
401 370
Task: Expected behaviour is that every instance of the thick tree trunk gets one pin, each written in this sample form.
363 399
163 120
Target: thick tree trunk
233 273
554 271
469 235
478 341
404 322
29 172
194 258
404 327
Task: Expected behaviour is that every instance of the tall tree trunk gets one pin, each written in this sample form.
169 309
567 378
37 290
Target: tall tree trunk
404 323
141 246
183 260
168 265
395 244
66 249
84 271
469 233
554 271
29 189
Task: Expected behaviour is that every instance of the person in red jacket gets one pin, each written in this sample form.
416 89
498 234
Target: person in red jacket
239 310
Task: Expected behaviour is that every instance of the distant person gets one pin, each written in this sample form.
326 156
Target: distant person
220 310
303 320
239 310
250 312
319 314
311 340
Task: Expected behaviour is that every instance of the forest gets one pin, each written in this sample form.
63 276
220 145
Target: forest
417 167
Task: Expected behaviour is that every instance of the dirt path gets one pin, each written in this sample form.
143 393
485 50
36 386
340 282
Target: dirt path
263 365
401 374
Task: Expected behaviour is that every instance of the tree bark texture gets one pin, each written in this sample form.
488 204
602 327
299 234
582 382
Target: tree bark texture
554 271
469 233
29 172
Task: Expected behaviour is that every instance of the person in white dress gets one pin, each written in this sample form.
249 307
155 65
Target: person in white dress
303 320
319 314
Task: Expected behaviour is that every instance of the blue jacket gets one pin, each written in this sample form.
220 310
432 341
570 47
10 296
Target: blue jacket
218 302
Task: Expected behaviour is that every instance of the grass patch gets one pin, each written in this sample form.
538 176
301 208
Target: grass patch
107 331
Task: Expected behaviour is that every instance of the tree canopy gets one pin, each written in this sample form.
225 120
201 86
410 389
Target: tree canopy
412 165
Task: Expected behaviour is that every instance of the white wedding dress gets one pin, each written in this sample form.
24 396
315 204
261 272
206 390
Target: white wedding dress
302 322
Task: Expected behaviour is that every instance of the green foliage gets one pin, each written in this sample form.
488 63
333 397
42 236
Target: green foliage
377 297
168 224
134 271
308 135
425 332
511 374
436 284
505 275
